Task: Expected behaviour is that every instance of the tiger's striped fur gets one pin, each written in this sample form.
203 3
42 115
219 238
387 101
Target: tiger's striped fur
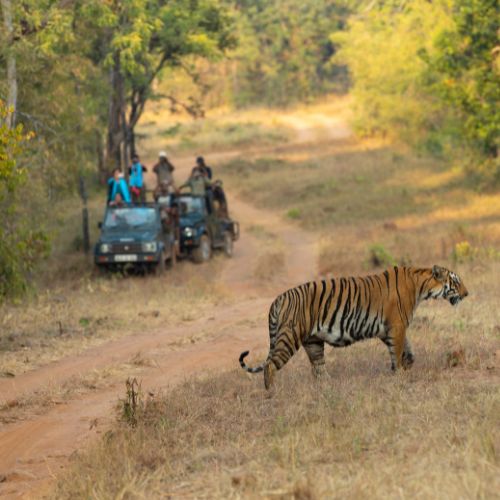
342 311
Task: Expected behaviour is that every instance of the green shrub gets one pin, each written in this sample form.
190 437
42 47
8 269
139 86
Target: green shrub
293 213
380 257
465 252
21 246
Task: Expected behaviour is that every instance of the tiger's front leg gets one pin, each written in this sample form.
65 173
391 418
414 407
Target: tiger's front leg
395 342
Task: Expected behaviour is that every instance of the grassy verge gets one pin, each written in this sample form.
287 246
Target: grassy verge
428 432
71 308
55 393
210 135
363 432
365 199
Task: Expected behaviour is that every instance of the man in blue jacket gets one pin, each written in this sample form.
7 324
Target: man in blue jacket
117 189
136 179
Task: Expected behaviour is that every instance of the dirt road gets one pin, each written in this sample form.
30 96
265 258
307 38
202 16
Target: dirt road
33 451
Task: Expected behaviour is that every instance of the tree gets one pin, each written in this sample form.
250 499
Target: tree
20 245
381 48
136 40
11 63
285 50
464 73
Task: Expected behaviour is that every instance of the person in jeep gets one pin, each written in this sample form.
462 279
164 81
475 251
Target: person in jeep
164 170
220 201
136 179
198 183
203 167
118 192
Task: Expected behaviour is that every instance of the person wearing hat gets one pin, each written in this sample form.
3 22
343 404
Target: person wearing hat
164 170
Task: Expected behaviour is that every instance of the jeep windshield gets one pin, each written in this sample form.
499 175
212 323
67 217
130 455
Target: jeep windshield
119 219
191 205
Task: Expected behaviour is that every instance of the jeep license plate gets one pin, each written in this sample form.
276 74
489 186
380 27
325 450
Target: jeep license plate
126 258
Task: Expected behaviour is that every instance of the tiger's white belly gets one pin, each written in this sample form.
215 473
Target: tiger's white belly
336 338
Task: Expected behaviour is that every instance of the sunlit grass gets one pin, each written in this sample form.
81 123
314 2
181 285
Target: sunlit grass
361 432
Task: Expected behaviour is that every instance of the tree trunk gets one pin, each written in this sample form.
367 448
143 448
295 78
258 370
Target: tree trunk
115 114
102 171
11 64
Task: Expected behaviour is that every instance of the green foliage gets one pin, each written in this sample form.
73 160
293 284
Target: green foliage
381 50
427 73
465 252
380 257
284 52
20 244
293 213
464 73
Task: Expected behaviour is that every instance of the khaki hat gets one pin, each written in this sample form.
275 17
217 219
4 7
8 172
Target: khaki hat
162 154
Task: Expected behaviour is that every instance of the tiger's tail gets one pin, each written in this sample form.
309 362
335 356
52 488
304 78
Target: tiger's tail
250 369
274 321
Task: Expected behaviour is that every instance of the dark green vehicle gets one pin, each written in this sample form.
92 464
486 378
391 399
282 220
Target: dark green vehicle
140 237
202 230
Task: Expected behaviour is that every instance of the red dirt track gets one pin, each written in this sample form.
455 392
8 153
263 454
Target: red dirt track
33 451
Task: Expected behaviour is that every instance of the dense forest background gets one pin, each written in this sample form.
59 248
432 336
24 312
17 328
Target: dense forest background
76 75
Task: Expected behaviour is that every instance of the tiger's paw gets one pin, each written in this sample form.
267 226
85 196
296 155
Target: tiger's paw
408 360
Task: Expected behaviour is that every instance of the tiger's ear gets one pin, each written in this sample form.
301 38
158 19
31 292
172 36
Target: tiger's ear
439 273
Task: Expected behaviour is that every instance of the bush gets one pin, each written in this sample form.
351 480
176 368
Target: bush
20 245
293 213
465 252
380 257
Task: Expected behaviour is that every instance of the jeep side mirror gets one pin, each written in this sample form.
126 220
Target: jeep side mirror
99 225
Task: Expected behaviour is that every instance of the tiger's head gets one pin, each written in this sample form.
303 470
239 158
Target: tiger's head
447 285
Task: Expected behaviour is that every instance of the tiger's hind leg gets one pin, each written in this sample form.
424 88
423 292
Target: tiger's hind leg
408 356
315 350
287 344
269 371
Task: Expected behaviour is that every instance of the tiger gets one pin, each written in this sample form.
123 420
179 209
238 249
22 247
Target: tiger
342 311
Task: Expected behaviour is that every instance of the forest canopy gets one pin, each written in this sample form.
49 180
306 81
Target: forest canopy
75 76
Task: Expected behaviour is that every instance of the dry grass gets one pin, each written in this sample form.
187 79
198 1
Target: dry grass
431 432
225 129
74 308
55 393
356 195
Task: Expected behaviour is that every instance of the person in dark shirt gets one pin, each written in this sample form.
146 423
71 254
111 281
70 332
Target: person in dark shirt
220 199
203 167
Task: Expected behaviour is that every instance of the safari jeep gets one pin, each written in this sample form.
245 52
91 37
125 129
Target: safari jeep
202 230
141 237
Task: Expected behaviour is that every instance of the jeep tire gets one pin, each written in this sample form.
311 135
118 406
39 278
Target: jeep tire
228 244
203 251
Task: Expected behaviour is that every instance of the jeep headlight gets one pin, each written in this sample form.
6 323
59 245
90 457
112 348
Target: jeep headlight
188 232
149 247
105 248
